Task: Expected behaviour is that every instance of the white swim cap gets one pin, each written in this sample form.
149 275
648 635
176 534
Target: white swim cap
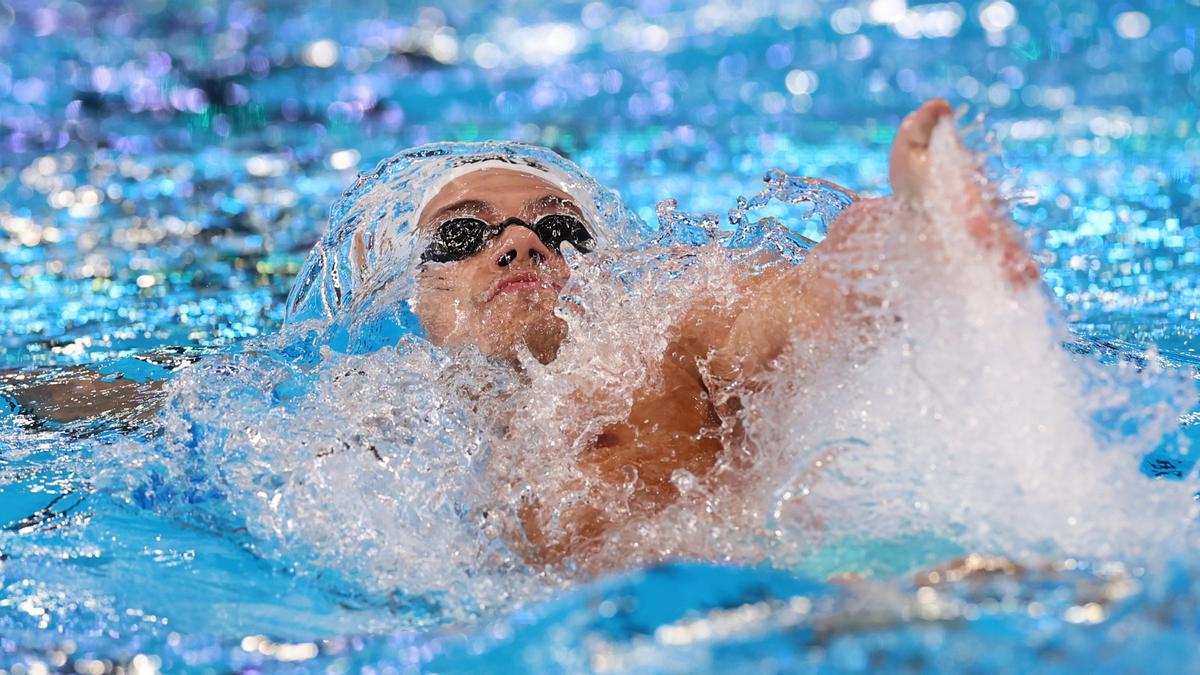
558 179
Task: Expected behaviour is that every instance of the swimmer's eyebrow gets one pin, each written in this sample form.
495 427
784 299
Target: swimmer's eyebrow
473 205
548 200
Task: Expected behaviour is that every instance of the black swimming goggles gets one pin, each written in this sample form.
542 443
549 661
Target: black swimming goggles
460 238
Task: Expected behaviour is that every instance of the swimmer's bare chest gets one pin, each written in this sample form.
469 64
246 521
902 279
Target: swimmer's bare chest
672 426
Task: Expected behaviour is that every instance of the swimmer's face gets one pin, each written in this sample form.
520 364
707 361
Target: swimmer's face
503 297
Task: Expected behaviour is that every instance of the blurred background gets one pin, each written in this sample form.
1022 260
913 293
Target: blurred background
165 166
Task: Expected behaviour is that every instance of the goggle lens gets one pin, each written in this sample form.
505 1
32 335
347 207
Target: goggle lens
460 238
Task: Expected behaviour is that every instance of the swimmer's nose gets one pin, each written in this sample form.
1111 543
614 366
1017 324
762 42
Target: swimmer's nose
518 244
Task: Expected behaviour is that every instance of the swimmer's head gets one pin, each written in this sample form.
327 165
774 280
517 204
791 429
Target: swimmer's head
372 276
492 273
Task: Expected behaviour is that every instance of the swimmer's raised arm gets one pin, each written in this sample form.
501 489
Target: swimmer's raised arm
819 303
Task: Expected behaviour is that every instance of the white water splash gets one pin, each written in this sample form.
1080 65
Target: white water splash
970 422
402 471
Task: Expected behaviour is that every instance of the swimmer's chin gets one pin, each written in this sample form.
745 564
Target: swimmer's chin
540 336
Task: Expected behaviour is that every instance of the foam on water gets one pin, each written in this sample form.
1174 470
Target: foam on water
401 471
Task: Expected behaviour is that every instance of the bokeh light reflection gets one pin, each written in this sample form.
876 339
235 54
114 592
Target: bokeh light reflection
166 166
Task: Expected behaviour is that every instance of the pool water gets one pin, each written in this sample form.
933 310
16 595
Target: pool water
166 168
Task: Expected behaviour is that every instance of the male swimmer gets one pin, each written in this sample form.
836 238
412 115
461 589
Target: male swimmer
491 279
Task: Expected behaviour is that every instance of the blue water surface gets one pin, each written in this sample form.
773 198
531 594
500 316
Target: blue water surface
166 167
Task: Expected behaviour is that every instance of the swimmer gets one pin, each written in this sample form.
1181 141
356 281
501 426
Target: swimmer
491 279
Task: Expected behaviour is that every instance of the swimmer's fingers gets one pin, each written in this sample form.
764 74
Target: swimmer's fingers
989 226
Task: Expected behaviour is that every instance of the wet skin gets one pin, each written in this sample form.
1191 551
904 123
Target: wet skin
675 424
502 298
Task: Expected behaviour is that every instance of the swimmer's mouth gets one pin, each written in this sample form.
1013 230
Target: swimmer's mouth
522 281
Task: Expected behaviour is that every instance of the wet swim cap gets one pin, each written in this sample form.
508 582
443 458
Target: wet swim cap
472 165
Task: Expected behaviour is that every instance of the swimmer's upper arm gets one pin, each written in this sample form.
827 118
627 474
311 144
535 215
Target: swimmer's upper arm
736 341
812 306
781 306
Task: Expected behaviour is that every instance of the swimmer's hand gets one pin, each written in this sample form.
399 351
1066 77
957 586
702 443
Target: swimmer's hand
78 394
68 395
